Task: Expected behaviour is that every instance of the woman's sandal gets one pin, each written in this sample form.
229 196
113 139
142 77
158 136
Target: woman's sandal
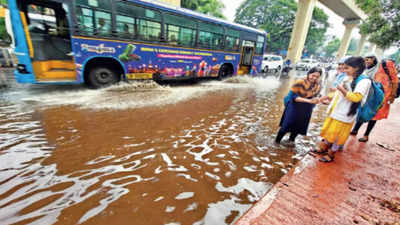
322 148
363 139
327 158
319 151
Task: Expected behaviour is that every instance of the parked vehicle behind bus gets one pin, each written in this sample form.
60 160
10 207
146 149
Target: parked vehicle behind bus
306 64
100 42
272 62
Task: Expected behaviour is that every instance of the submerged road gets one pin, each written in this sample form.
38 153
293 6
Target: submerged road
142 153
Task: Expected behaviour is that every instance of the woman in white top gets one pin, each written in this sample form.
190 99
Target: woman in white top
342 111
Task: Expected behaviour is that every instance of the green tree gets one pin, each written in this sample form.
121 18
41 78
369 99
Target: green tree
332 47
5 39
383 22
209 7
277 18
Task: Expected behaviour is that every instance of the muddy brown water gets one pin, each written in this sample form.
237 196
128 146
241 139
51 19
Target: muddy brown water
141 153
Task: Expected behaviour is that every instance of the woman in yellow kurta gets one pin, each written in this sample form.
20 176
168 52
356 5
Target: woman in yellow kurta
342 111
390 85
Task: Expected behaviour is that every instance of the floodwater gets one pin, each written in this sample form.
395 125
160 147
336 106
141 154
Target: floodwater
141 153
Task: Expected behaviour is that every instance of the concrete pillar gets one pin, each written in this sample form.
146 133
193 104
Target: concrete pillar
379 52
344 44
300 29
371 47
6 56
361 44
3 79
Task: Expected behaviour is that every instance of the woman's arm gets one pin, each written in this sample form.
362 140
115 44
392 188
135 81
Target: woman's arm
326 99
306 100
342 89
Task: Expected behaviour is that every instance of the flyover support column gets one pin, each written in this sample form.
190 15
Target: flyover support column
361 44
300 29
371 47
344 44
6 56
379 52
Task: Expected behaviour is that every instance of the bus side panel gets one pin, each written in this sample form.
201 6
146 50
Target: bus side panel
141 61
21 46
256 65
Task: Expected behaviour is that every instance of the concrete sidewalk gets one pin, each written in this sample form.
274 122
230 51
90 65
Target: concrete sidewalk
362 186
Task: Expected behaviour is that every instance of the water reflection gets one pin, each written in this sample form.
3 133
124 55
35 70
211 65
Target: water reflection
198 154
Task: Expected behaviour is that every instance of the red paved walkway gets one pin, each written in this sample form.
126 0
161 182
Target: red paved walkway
362 186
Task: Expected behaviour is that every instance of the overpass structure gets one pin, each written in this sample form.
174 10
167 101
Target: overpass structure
346 9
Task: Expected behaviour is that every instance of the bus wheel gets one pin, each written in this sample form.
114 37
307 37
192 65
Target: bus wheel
102 77
223 72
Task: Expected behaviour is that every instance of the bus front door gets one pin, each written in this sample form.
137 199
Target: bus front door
246 59
50 49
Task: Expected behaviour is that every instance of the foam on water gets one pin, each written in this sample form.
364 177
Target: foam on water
147 93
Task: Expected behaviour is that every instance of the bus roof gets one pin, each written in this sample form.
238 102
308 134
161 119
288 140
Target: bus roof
168 7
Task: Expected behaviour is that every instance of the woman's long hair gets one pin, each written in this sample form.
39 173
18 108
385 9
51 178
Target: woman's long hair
355 62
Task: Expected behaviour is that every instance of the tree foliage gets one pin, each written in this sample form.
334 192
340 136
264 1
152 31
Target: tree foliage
332 47
5 39
383 22
277 18
209 7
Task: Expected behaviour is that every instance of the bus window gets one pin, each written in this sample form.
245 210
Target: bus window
143 23
94 17
205 39
217 41
85 20
182 28
95 4
232 41
125 26
187 37
260 45
149 30
103 23
210 35
172 34
41 20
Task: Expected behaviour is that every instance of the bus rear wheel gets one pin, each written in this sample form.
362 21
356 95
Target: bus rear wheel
224 71
102 77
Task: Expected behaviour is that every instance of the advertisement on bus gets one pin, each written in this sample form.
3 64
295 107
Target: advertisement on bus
141 61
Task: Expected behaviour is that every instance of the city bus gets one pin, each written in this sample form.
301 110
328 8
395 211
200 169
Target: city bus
101 42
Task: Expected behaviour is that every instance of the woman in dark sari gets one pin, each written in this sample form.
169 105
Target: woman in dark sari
299 104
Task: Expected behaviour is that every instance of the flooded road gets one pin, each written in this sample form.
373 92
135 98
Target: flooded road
142 153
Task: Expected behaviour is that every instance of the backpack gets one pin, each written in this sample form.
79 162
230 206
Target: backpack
374 100
391 75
